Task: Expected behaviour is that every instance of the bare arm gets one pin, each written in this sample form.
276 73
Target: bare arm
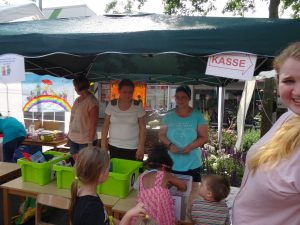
202 131
174 181
137 211
104 132
162 135
142 138
94 116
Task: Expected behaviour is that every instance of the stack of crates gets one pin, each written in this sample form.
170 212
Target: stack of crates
40 173
120 182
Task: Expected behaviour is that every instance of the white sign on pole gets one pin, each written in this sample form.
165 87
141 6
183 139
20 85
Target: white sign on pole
235 65
12 68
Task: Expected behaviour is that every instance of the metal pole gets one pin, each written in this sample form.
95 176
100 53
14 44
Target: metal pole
221 94
7 99
41 4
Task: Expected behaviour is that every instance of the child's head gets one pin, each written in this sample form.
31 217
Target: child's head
92 164
91 167
160 159
214 187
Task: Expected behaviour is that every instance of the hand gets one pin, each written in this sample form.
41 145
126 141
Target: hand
186 149
173 148
138 210
68 144
139 155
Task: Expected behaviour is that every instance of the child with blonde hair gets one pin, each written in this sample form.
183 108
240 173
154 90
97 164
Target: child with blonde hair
154 186
92 168
211 208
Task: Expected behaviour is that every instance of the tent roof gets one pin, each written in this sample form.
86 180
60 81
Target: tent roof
20 12
152 47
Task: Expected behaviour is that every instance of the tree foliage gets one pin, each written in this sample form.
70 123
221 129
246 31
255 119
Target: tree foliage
202 7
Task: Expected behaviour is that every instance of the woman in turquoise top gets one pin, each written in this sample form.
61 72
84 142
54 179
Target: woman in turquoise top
183 131
14 134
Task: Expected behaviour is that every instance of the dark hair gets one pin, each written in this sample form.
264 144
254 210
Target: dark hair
186 89
159 158
218 185
81 83
125 82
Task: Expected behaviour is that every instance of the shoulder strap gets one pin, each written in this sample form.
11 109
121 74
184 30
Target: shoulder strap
159 178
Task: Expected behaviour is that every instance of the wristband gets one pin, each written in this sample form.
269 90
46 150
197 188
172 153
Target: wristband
170 144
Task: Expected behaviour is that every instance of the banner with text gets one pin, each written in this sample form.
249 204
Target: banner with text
12 68
235 65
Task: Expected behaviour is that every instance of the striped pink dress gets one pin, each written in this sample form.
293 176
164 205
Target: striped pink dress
157 201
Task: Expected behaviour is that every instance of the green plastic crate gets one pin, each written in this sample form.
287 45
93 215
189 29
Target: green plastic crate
121 179
64 176
39 173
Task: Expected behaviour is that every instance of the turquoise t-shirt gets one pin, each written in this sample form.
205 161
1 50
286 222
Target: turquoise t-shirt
11 129
182 132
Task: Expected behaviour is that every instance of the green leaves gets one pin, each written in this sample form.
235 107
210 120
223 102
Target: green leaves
239 7
203 7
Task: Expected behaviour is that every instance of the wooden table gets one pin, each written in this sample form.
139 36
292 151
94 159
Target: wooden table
9 171
24 189
53 144
123 205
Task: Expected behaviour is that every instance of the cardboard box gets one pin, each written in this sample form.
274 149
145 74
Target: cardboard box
180 198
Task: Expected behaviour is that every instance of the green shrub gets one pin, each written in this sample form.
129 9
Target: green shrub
250 137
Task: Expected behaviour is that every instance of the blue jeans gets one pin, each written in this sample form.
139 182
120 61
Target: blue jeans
10 147
75 147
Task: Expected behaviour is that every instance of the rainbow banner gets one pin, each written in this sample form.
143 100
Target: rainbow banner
47 94
47 99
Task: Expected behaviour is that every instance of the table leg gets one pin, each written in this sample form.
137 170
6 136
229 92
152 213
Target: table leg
6 207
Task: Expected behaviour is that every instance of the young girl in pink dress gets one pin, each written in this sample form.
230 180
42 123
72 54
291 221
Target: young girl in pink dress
154 187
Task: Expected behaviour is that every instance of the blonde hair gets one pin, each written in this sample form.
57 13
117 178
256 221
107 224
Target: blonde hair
145 221
287 138
90 163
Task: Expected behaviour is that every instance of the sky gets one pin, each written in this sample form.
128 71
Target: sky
151 6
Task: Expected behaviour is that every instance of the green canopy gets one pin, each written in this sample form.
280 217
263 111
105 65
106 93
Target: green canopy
151 48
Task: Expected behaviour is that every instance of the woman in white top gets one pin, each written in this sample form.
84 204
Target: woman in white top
84 117
125 122
270 191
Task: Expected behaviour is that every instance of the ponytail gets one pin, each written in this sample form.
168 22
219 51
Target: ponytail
74 190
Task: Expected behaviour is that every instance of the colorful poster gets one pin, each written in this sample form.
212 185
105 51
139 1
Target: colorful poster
12 68
139 93
47 93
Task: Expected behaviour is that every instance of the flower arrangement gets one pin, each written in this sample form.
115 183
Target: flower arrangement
227 161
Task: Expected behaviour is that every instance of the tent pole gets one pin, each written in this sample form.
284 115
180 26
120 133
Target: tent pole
7 99
221 93
168 98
